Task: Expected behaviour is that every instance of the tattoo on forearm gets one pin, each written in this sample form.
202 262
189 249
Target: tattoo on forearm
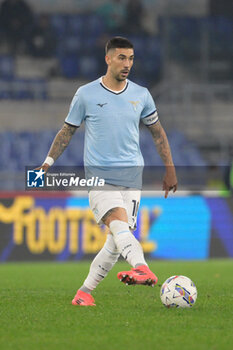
61 141
161 142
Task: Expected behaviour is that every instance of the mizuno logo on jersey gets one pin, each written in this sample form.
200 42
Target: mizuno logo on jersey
101 104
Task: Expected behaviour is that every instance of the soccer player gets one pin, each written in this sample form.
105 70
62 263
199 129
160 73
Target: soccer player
111 108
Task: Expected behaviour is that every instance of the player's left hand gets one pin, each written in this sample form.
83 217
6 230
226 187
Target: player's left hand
170 180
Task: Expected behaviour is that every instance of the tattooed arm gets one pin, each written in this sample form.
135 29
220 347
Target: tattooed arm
163 148
60 143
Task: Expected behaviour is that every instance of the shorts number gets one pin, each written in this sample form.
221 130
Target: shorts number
135 208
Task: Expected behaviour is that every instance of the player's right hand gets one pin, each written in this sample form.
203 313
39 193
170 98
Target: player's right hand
44 166
170 180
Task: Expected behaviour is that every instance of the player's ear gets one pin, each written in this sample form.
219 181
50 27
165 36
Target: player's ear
108 56
107 59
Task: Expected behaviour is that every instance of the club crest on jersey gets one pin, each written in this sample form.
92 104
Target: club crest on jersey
134 104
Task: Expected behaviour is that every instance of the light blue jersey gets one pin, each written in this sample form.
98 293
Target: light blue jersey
112 125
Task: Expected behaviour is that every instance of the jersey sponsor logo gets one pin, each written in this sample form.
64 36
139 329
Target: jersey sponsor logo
134 103
101 104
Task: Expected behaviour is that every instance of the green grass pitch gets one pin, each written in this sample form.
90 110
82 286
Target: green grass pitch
36 311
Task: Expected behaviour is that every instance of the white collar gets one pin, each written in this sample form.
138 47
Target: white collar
115 92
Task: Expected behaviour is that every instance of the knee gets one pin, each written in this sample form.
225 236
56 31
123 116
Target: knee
115 214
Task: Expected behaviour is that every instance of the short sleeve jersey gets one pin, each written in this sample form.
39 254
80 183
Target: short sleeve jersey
112 122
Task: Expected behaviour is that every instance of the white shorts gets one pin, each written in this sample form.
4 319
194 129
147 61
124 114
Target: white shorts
112 197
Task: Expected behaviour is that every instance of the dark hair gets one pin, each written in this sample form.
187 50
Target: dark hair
118 42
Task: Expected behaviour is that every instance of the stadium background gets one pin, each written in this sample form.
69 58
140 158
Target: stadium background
184 56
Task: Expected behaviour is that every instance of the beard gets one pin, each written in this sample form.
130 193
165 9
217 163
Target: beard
121 77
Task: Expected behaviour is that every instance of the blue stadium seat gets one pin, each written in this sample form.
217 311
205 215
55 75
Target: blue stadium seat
139 45
153 46
184 34
21 89
88 67
5 151
76 24
70 66
89 44
221 34
69 45
59 24
94 25
190 154
7 66
5 91
72 45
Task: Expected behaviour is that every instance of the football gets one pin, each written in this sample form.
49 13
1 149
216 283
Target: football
178 291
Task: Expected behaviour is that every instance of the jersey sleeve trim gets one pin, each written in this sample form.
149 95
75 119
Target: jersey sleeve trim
77 126
151 118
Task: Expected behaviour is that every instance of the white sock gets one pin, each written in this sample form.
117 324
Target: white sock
101 265
127 244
